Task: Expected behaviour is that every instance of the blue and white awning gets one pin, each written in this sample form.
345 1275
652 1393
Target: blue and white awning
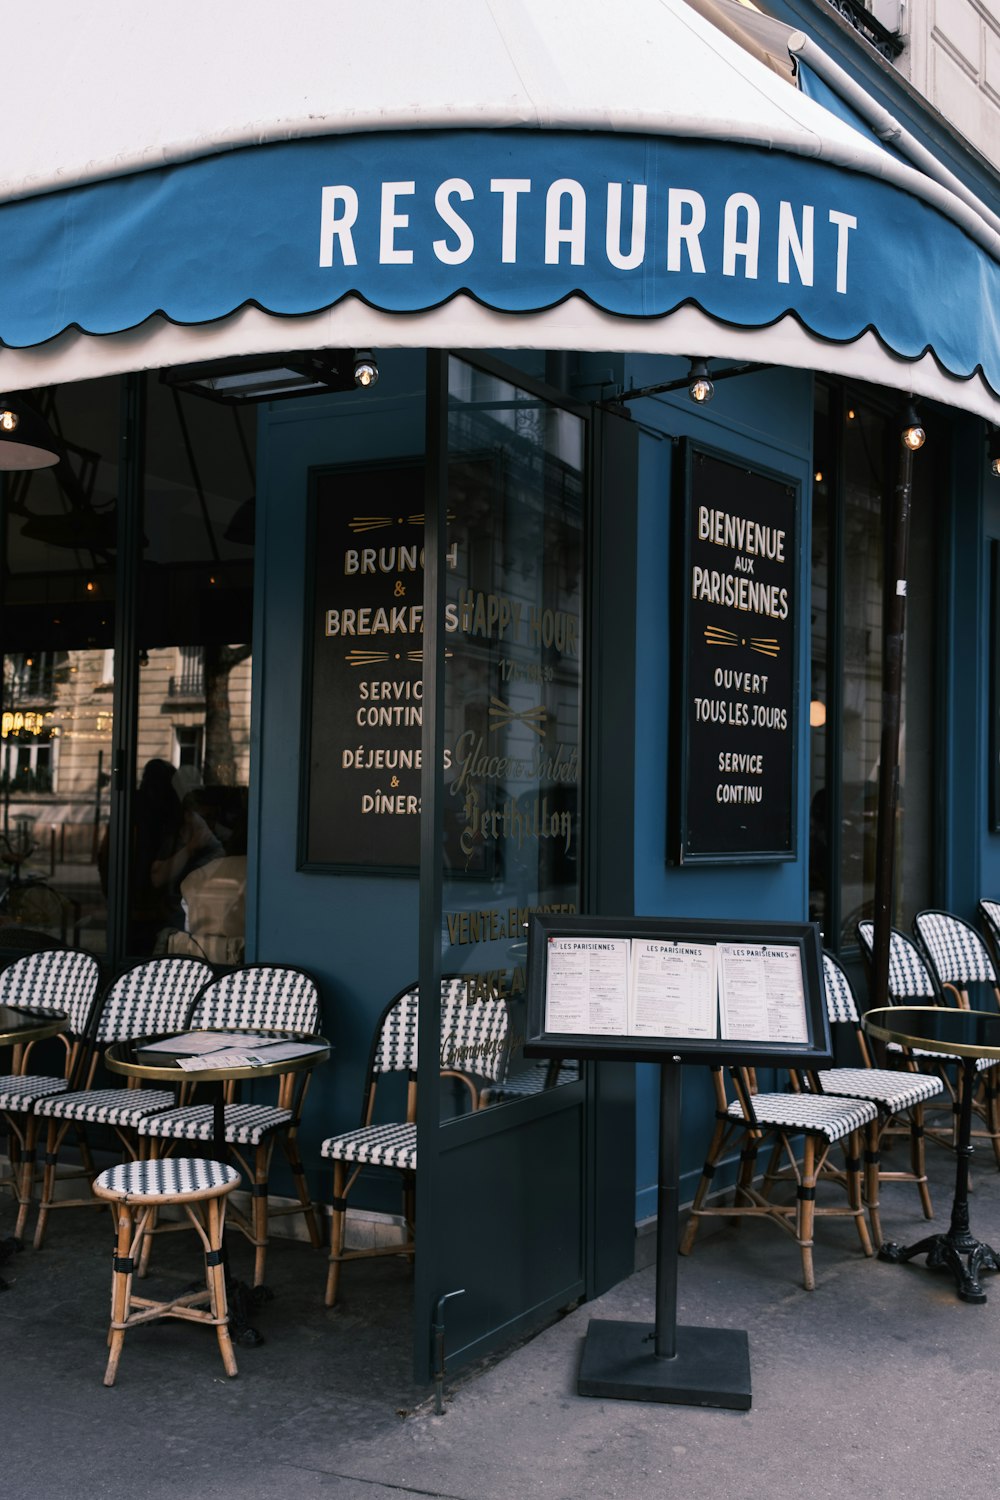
706 207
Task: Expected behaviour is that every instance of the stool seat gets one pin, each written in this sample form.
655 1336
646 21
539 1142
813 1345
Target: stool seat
166 1180
137 1188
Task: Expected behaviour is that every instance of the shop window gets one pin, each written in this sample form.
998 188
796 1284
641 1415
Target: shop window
854 462
188 836
59 589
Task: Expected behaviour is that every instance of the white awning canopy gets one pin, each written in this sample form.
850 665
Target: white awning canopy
409 175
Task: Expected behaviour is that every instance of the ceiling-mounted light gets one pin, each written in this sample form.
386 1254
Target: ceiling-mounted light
267 377
913 435
700 388
365 368
993 447
25 440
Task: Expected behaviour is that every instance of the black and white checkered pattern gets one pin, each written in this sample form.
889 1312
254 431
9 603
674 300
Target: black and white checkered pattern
840 1003
62 979
377 1145
909 976
170 1177
473 1032
121 1107
895 1092
990 913
246 1124
19 1093
153 998
955 952
819 1114
260 997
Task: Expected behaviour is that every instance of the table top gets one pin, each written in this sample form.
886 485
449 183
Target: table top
18 1023
122 1057
938 1028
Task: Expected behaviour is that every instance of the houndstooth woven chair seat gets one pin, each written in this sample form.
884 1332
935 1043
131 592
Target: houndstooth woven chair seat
125 1108
815 1113
146 999
17 1092
246 1124
378 1145
893 1091
136 1189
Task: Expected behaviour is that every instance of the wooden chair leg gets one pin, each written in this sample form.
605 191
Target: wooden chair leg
26 1184
215 1278
872 1180
918 1159
121 1290
54 1137
291 1150
262 1162
855 1192
336 1232
806 1211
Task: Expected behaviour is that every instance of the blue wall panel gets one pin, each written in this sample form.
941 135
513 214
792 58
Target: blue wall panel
357 934
763 418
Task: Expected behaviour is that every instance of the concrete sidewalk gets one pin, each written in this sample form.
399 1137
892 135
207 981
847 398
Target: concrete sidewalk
880 1382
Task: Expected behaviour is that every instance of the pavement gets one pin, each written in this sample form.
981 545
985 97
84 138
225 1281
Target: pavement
879 1382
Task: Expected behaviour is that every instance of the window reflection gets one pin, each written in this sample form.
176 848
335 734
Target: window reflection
58 669
189 815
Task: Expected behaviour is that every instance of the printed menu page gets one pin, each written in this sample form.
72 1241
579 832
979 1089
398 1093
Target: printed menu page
587 989
761 997
673 989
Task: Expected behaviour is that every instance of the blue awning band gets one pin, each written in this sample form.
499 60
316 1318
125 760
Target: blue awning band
520 220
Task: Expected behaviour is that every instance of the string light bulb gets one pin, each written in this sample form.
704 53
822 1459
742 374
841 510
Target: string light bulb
700 388
993 446
365 369
913 435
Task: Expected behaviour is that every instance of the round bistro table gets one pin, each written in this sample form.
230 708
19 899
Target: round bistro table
966 1035
124 1057
20 1025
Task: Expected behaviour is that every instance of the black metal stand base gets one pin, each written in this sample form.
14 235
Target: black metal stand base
710 1368
962 1255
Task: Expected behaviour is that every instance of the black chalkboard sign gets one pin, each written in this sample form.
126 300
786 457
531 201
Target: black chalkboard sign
361 773
735 726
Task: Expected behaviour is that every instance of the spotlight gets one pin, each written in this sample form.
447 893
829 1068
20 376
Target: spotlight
365 368
700 388
913 435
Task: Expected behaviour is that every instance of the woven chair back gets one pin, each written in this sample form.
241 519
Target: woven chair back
909 977
955 952
151 998
267 997
473 1034
62 979
840 1002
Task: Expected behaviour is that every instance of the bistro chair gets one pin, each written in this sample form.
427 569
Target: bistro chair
152 998
989 912
777 1121
61 979
256 997
956 955
474 1034
912 982
900 1096
136 1189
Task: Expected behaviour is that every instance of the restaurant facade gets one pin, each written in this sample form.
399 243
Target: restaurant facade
473 500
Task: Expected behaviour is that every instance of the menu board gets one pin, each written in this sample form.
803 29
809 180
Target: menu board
361 781
734 735
641 987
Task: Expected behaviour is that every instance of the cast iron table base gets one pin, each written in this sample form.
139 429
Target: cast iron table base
958 1251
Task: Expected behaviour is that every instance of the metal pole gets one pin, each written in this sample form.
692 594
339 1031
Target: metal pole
892 691
667 1212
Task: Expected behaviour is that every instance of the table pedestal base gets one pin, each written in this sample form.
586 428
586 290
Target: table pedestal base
960 1254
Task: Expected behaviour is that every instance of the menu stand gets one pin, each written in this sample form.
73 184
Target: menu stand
682 1366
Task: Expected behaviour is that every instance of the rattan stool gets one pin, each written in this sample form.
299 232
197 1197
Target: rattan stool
140 1187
